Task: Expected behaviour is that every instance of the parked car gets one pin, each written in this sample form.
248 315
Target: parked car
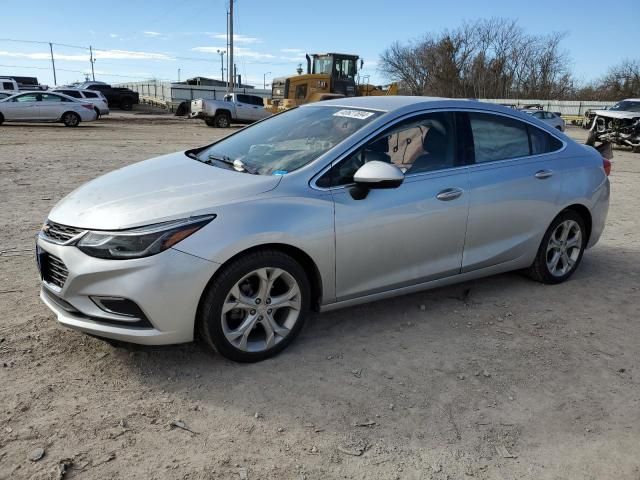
323 206
123 98
233 108
619 125
9 85
45 107
551 118
97 99
5 94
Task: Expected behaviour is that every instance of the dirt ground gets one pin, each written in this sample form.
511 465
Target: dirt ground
499 378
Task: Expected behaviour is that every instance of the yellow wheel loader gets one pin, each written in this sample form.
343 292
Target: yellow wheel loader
329 75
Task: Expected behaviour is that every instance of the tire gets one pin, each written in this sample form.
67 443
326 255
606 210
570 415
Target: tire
559 128
210 121
554 244
222 120
591 138
241 333
633 150
126 103
71 119
1 119
95 109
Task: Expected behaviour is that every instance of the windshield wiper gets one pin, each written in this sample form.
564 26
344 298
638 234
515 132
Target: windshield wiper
236 164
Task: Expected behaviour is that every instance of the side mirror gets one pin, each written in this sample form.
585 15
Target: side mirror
375 174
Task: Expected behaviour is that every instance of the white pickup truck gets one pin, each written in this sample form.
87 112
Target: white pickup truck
233 108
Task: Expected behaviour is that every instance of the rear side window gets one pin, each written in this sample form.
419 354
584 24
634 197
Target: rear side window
498 138
257 101
90 95
242 99
72 93
542 142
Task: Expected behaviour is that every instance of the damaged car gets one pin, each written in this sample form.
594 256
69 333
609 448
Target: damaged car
619 125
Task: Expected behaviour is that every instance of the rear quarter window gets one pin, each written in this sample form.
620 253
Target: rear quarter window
90 95
542 142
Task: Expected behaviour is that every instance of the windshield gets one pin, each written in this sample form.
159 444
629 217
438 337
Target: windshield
287 141
626 106
323 64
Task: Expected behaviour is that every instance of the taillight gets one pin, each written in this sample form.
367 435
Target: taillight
88 106
606 164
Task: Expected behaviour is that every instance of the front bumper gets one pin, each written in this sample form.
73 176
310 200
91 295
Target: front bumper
167 288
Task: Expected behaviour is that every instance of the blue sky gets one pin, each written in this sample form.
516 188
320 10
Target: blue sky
140 39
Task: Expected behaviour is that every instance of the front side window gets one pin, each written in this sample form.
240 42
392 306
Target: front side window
29 97
287 141
242 99
422 144
498 138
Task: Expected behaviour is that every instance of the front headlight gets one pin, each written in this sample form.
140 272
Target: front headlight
140 242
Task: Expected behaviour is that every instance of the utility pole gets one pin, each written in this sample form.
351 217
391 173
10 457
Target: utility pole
221 53
92 60
53 64
230 66
264 80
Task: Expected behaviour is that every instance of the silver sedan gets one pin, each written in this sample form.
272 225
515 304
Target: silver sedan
45 107
324 206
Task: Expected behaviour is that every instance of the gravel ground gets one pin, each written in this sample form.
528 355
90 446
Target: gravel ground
496 378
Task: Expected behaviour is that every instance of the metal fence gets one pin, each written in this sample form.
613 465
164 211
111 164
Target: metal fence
565 107
173 93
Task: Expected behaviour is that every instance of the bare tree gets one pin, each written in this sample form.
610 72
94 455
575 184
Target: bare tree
490 58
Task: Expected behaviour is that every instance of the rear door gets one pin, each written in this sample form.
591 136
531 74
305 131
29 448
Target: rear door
244 109
515 184
52 106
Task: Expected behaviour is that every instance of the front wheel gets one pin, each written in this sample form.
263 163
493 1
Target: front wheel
561 249
71 119
255 306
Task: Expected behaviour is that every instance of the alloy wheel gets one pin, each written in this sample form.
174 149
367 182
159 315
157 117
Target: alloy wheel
261 309
564 247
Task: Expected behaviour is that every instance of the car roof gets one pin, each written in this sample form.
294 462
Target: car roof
401 104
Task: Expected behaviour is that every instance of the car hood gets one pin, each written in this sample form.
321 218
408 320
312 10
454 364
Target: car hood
616 114
156 190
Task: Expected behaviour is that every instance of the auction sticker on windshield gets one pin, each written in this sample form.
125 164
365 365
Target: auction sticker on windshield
359 114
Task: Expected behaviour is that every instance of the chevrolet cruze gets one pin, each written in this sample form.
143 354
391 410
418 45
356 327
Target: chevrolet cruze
324 206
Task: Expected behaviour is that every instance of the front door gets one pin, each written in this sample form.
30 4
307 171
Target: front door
22 107
407 235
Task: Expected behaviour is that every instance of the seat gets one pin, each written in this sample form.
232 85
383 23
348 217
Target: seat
435 146
377 150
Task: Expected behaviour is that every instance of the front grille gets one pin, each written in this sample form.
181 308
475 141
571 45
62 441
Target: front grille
54 271
59 233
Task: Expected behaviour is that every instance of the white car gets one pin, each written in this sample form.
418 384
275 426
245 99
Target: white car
45 107
233 108
550 118
99 101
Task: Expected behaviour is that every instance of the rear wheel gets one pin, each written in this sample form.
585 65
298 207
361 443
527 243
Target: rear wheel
126 104
561 249
255 306
95 109
1 119
71 119
591 138
222 120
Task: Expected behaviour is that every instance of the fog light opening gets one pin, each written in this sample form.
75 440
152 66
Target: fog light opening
119 306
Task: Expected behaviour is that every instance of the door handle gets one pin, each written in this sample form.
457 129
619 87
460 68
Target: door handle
449 194
542 174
